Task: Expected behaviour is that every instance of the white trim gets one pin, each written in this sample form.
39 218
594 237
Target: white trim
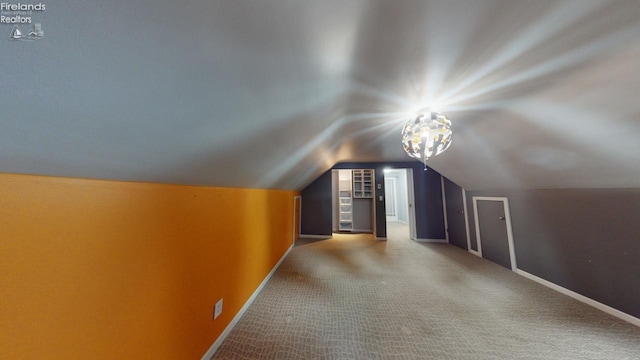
300 219
413 232
335 201
444 209
475 214
512 245
466 222
212 350
315 236
598 305
374 192
475 253
294 217
431 240
381 238
507 215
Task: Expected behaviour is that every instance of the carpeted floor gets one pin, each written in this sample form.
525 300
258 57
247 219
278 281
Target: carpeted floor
353 297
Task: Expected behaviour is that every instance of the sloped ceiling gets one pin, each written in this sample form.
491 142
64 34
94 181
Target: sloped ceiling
270 93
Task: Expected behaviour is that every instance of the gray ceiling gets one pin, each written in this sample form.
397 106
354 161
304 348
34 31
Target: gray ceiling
270 93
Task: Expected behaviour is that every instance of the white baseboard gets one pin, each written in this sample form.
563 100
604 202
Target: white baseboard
212 350
474 252
315 236
598 305
381 238
430 240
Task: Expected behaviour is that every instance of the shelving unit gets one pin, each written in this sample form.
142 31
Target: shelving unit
363 184
353 208
346 214
345 222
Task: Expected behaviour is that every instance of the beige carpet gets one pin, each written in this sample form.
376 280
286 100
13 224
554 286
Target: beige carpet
354 297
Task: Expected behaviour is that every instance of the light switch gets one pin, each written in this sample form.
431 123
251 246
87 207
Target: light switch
379 186
217 309
380 198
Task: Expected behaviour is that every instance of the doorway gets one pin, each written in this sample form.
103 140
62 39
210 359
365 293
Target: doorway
399 210
455 210
352 200
493 230
391 196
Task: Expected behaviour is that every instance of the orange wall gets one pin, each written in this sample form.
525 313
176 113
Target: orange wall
94 269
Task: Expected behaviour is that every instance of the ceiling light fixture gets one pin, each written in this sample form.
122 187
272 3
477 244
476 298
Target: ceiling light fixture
426 134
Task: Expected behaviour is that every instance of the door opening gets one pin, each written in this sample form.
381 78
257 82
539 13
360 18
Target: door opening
353 205
399 209
391 196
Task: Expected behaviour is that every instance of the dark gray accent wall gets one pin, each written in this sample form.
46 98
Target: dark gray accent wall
585 240
427 192
316 207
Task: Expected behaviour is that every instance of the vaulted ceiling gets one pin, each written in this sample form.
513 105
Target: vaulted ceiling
271 93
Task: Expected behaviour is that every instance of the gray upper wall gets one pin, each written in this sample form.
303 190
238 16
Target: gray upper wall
271 94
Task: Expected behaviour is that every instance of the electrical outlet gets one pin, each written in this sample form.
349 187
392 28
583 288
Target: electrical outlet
217 309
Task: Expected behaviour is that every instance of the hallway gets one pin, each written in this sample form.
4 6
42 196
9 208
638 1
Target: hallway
353 297
397 230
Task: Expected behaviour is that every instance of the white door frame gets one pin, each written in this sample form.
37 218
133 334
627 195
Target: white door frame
507 215
466 224
444 209
412 205
394 193
299 219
